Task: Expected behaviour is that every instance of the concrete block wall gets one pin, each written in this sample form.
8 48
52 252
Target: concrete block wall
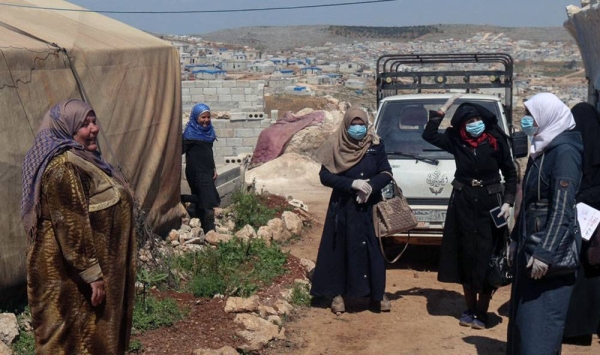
238 135
225 95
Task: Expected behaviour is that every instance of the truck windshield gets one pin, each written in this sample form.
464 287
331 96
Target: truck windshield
401 125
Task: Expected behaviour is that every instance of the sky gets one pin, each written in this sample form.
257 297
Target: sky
510 13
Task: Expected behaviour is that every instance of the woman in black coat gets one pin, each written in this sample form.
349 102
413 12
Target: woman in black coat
200 170
583 317
349 262
470 237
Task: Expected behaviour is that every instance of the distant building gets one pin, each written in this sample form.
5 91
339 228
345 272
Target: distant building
312 70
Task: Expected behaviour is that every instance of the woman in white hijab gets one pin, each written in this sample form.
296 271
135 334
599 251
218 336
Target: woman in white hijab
545 240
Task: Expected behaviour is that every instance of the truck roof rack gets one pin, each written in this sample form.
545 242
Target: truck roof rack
398 72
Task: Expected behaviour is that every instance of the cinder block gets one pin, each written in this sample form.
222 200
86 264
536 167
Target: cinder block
250 91
244 133
237 98
224 132
211 98
223 151
188 84
224 98
209 91
196 91
237 91
242 83
198 98
257 131
215 83
229 83
249 142
234 142
251 98
186 98
245 104
185 91
240 150
223 91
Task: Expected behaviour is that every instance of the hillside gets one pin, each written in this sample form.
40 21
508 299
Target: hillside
273 38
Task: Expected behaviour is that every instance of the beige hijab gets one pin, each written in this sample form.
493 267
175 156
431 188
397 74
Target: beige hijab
340 152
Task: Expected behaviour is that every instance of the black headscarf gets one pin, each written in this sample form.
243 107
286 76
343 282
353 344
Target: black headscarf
587 121
469 110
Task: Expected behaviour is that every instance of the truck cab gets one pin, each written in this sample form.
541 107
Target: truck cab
423 171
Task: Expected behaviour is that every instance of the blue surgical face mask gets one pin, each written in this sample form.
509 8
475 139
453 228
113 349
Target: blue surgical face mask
357 131
527 126
475 129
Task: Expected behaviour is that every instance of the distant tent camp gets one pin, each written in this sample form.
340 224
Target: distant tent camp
132 80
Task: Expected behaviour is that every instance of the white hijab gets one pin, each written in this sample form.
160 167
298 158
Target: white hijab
553 118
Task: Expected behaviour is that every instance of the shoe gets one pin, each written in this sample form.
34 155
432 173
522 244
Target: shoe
385 305
479 321
466 319
337 305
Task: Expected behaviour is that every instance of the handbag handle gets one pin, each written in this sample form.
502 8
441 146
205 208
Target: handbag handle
397 192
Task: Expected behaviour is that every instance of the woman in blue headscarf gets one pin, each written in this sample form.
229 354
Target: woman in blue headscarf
200 170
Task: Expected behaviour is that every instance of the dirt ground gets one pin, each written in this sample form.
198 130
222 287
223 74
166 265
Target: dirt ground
423 320
424 316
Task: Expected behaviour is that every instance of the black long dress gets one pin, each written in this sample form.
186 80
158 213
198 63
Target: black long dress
199 172
349 262
469 232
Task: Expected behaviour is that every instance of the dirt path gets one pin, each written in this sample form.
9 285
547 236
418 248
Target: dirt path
424 316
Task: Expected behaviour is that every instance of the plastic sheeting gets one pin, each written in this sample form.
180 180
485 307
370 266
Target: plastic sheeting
583 27
132 80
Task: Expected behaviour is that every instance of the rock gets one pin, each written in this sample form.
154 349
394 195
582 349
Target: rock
175 243
184 236
246 233
304 111
302 282
9 328
282 307
274 319
308 265
265 233
265 311
194 241
173 235
144 255
226 350
219 212
185 228
5 350
192 248
194 222
258 332
239 304
280 233
292 222
197 232
215 238
298 204
185 220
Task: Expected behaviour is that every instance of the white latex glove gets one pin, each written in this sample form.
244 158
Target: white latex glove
362 185
512 251
361 197
538 268
449 102
504 211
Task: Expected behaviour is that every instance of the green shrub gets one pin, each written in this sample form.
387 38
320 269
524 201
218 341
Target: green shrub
301 295
25 344
135 346
248 209
235 268
155 313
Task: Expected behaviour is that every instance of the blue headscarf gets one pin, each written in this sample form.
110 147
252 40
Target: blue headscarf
194 131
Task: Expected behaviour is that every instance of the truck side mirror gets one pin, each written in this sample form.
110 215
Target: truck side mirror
519 144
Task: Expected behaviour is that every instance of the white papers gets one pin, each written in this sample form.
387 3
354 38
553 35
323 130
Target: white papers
588 219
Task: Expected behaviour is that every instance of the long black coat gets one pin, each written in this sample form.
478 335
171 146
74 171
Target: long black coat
199 172
349 262
469 231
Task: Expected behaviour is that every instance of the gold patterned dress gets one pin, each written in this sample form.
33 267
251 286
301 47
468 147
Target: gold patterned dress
86 231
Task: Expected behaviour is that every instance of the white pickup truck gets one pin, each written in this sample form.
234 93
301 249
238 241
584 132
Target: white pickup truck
423 171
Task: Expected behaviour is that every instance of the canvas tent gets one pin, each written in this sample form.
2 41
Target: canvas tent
131 78
583 27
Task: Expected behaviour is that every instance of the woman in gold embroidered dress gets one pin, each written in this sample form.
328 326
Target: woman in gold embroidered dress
78 214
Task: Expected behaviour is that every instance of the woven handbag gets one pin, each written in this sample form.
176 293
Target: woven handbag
393 216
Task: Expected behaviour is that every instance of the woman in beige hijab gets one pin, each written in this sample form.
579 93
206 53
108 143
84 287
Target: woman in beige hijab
349 262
